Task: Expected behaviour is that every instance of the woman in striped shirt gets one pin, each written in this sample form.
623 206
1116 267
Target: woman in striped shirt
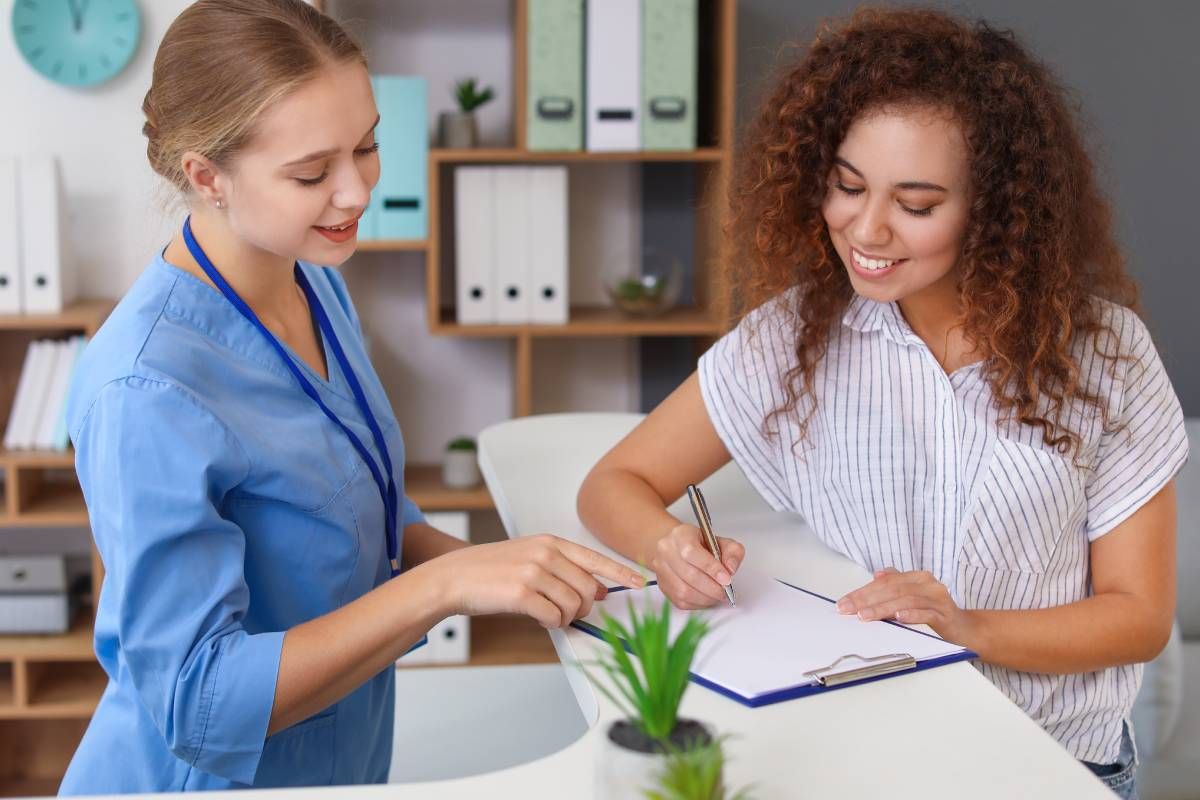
942 372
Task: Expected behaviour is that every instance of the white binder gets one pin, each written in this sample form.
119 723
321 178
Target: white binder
45 362
614 74
450 639
475 245
22 406
10 238
47 286
548 267
56 395
510 208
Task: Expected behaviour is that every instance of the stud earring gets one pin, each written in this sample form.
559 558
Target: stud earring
220 204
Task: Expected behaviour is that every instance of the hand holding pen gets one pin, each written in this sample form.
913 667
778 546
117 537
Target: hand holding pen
688 572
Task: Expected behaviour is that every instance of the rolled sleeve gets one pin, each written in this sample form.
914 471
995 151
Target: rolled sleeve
155 467
411 514
1146 444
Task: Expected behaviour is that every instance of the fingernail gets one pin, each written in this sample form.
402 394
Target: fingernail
844 606
865 614
723 578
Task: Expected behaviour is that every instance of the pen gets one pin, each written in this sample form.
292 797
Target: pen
700 509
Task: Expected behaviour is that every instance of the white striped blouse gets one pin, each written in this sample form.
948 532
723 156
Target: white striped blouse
905 466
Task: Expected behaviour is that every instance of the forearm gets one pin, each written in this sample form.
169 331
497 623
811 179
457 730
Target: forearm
1102 631
326 658
624 512
424 542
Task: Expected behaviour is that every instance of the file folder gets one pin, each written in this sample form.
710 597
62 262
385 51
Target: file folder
47 285
398 203
450 639
783 642
614 70
475 245
548 247
554 86
669 74
10 238
513 225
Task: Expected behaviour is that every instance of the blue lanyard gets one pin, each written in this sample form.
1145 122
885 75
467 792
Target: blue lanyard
387 491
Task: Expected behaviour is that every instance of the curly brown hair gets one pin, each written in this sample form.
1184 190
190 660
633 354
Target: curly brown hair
1039 244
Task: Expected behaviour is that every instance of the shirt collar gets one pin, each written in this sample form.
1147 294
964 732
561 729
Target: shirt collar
864 315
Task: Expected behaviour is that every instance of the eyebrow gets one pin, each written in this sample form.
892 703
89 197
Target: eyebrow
327 152
902 185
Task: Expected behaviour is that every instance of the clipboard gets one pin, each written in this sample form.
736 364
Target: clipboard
763 670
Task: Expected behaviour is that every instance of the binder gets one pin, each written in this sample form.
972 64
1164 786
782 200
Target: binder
56 394
614 45
60 439
44 364
450 639
22 406
475 245
548 251
47 285
513 226
745 657
554 85
10 238
398 203
669 74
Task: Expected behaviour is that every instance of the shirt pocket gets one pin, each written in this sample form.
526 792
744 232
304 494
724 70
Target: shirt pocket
1021 510
301 755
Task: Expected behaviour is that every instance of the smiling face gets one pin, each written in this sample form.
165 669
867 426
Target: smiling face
898 202
310 167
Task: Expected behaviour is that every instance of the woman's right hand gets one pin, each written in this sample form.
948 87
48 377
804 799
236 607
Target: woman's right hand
544 577
688 574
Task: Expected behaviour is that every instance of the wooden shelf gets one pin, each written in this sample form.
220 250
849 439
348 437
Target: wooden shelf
513 155
392 246
423 484
501 640
55 505
74 645
83 315
64 690
591 321
47 459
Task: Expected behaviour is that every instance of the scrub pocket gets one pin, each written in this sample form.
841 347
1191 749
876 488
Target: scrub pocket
1018 520
301 755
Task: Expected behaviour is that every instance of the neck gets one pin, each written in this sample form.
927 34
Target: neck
935 314
263 280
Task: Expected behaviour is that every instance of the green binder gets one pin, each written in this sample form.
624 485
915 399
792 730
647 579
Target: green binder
554 113
669 31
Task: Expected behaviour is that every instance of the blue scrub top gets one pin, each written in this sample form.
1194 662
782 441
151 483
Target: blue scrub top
226 508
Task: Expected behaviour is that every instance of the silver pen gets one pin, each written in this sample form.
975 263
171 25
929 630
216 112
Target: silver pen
700 509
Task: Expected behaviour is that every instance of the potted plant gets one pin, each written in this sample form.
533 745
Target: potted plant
694 774
648 688
458 129
460 465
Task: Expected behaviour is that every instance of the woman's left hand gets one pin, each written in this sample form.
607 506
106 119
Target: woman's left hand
912 598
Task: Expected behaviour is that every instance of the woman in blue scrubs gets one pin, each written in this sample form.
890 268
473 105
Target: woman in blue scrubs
241 463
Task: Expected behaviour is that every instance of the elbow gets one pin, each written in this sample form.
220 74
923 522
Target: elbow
1156 638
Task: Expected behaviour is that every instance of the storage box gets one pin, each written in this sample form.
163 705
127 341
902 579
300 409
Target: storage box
33 595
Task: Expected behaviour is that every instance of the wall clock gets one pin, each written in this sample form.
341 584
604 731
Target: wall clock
77 42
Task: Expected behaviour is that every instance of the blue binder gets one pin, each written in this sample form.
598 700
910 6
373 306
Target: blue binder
398 207
834 676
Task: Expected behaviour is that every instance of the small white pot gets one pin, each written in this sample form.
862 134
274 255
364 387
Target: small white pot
623 773
460 469
457 130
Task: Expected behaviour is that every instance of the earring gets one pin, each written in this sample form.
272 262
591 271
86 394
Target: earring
220 204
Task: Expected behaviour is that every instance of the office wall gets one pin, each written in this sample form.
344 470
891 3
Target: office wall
1134 68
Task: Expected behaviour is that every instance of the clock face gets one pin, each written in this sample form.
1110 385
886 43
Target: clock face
77 42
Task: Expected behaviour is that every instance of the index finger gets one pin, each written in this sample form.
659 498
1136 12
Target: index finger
602 565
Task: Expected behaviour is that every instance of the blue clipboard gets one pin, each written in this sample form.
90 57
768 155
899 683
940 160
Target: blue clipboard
832 678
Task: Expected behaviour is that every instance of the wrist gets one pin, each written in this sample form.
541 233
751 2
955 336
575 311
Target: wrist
435 588
976 632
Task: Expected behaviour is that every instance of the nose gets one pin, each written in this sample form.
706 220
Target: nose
353 191
871 226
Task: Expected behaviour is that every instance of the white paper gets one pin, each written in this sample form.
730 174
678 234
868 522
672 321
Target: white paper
775 634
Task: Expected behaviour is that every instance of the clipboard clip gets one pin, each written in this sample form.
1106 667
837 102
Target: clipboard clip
868 668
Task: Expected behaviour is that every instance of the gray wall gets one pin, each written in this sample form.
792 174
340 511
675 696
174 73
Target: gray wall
1135 68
